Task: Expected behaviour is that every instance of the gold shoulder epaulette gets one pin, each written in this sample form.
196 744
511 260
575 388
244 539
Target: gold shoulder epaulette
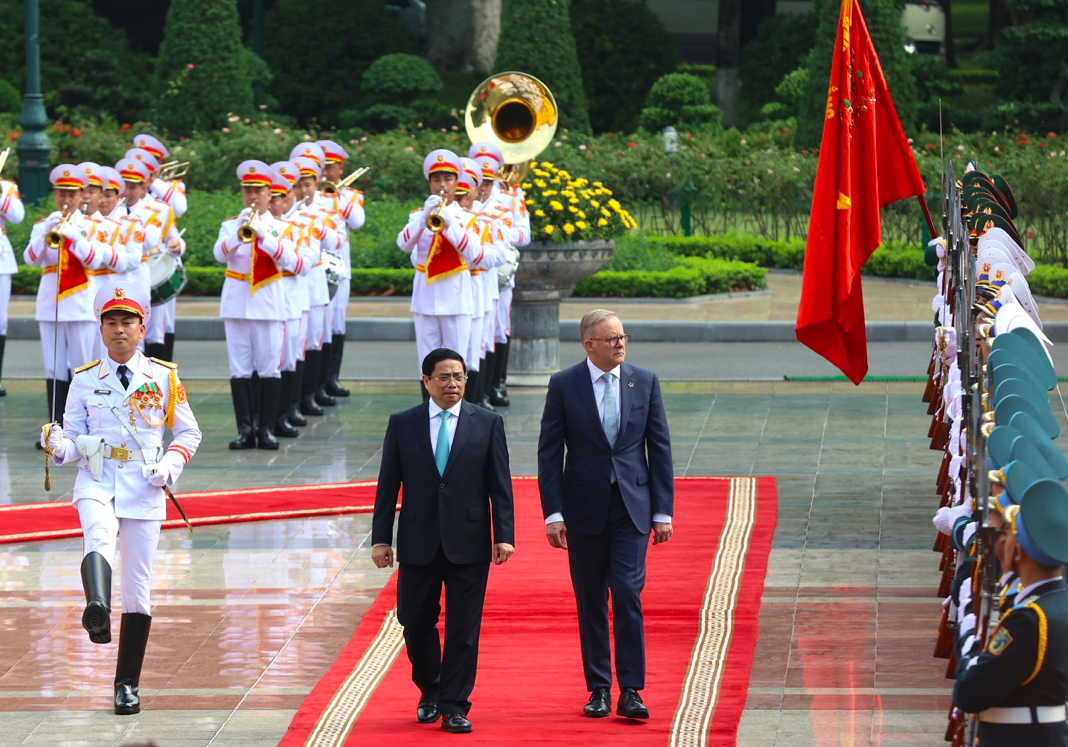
40 221
87 366
168 364
231 217
417 210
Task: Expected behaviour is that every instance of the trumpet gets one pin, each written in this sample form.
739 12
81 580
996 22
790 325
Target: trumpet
54 238
173 170
330 189
434 222
246 232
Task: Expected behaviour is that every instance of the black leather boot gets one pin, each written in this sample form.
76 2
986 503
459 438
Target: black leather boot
268 413
168 347
62 390
155 350
255 398
499 395
308 405
3 343
133 640
322 398
96 582
282 428
294 415
333 386
241 391
471 390
50 388
484 381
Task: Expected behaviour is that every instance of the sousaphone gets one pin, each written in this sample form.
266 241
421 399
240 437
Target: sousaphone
518 113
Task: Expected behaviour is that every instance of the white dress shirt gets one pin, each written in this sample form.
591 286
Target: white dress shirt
435 424
599 384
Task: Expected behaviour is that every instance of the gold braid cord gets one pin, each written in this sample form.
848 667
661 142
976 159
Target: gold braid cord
49 453
172 399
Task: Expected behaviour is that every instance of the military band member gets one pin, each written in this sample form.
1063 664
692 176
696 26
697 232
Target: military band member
11 211
348 206
170 192
131 232
252 305
294 292
442 300
64 305
113 430
161 234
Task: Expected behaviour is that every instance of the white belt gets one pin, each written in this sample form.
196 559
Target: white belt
129 455
1024 715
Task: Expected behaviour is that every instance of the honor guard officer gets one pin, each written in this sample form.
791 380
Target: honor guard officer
1017 685
442 300
113 429
11 211
170 192
348 206
252 307
66 250
161 234
294 292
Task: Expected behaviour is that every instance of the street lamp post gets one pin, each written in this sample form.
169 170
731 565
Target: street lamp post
33 146
671 147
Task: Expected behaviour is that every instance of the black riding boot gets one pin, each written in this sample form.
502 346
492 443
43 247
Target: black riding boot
168 346
50 388
133 640
471 391
295 417
271 389
241 391
155 350
308 405
499 395
321 395
96 582
485 381
282 428
3 343
337 350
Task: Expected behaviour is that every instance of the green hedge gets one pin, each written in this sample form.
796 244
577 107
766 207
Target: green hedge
1049 280
694 276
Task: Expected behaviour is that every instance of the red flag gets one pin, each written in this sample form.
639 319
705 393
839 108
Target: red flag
865 162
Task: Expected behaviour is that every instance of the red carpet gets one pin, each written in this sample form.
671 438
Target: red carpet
36 522
701 601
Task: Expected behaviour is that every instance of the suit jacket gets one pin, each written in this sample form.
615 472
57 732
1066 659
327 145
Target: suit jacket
641 457
452 509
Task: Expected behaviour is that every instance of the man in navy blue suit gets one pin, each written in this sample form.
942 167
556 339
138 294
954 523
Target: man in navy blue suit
615 488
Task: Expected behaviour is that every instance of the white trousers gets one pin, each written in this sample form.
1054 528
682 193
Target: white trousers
504 316
433 332
138 539
161 322
303 341
5 300
338 308
316 327
473 354
291 347
489 330
254 345
69 344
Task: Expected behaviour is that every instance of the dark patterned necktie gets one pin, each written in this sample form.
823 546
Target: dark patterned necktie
123 371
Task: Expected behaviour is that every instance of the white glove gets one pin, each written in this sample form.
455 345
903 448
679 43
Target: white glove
946 517
55 437
431 202
261 228
969 532
71 232
966 649
965 595
164 472
967 622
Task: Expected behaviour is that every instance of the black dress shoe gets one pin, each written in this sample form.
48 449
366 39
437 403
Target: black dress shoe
427 712
456 723
97 622
498 398
127 700
630 704
600 704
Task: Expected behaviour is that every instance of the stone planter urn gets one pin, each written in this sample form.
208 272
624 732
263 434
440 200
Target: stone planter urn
547 273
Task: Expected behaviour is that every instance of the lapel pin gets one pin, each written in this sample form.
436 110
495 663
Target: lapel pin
630 384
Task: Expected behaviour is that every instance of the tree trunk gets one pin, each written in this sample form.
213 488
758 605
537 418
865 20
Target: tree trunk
450 28
999 18
487 30
950 45
728 58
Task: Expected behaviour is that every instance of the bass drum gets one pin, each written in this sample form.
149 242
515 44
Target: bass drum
334 267
166 275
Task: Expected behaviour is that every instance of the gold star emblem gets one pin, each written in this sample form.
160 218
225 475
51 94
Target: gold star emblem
441 159
119 294
252 169
66 173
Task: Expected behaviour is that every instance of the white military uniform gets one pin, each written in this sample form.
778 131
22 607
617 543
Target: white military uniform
443 308
11 211
349 216
294 284
123 502
159 228
484 277
254 317
319 313
73 340
510 207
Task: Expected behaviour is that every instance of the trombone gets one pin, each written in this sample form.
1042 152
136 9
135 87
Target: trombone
297 206
173 170
54 238
246 232
330 189
434 222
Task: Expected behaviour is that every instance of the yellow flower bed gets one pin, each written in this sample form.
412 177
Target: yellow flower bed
550 190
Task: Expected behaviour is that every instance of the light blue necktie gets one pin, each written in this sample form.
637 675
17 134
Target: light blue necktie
611 417
441 456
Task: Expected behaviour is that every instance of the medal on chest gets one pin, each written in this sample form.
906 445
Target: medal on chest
147 399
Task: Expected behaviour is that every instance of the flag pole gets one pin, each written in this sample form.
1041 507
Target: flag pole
927 216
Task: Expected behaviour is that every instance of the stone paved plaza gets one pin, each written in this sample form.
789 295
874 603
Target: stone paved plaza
248 617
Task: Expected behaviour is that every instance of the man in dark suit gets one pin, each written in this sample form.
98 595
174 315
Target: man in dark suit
616 487
452 459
